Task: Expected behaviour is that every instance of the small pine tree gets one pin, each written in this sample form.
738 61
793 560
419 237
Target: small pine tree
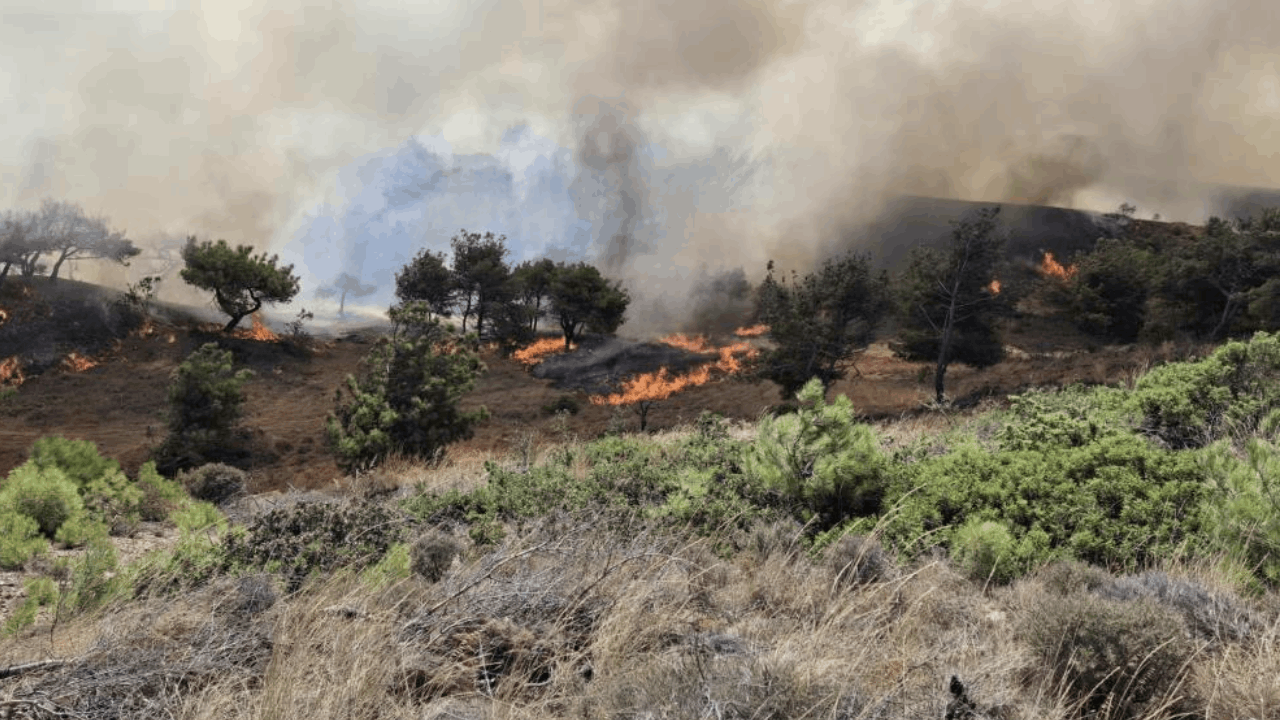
240 281
205 403
408 400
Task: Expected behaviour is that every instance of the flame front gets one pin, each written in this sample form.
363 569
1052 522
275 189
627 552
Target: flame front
4 316
660 385
533 353
751 332
1049 267
994 287
11 372
75 362
692 343
260 331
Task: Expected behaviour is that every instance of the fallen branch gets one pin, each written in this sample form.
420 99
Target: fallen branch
14 670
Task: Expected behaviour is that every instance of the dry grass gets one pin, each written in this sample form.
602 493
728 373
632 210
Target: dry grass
592 617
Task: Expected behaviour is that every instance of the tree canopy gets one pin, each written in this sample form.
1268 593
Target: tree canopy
948 302
582 298
818 323
480 275
62 230
428 279
343 285
241 282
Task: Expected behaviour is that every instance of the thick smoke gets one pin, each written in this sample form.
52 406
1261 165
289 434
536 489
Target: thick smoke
688 138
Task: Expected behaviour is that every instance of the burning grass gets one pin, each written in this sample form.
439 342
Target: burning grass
11 372
751 332
661 384
1049 267
536 351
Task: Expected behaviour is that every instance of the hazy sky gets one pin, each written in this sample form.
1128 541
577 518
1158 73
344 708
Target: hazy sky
660 138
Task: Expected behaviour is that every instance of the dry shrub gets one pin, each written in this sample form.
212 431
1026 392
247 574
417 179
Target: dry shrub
1116 659
214 482
859 560
432 554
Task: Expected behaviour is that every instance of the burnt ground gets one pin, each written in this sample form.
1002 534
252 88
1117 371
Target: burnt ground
119 403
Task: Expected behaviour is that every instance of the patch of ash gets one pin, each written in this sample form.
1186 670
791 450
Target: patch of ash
599 364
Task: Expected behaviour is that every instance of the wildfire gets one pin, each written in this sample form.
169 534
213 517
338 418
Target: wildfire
260 331
11 372
994 287
692 343
4 316
75 362
1049 267
534 353
660 385
753 331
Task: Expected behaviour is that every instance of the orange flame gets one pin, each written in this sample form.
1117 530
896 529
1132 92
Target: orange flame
4 316
660 385
994 287
692 343
533 353
75 362
1049 267
11 372
259 332
753 331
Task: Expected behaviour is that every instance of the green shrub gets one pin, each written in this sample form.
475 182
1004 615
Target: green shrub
408 400
431 555
985 551
1072 417
1244 506
41 592
79 460
194 561
94 580
1117 502
194 516
114 500
1225 395
20 539
1108 654
160 495
215 482
47 496
393 567
80 529
205 398
820 458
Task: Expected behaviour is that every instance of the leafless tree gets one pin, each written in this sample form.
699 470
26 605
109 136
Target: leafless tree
64 229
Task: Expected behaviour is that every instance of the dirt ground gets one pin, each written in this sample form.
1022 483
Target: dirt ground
119 402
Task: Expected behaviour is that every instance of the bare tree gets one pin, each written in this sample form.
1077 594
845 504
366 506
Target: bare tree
17 238
63 228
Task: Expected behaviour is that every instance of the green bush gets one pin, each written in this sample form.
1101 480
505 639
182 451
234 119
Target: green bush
1225 395
194 516
80 529
41 591
1112 655
47 496
985 551
20 539
206 398
408 400
159 496
114 500
1117 502
1072 417
94 580
79 460
1244 506
821 459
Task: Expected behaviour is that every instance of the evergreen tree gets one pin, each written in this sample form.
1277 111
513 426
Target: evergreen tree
240 281
948 302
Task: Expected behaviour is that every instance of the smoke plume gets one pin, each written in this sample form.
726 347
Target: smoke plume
666 140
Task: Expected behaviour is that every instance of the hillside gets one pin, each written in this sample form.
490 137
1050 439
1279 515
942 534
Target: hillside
115 394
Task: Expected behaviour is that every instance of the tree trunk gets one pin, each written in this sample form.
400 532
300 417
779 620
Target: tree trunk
53 275
5 272
342 303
